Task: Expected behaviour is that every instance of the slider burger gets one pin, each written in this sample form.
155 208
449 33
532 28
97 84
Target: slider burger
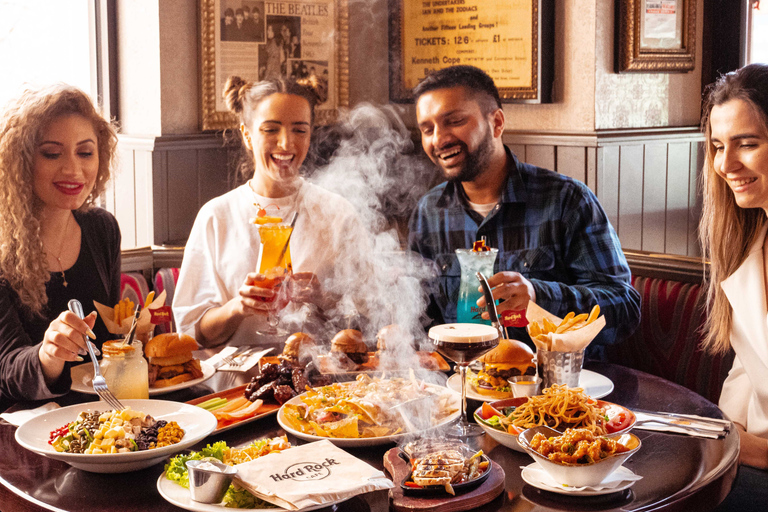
390 337
349 343
508 359
298 349
170 360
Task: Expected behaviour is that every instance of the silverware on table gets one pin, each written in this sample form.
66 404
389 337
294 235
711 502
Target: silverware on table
669 416
686 428
99 384
231 357
241 358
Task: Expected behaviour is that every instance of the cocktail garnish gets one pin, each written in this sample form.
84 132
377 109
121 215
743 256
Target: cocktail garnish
263 218
479 246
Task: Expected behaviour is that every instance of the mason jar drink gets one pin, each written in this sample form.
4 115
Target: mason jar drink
125 369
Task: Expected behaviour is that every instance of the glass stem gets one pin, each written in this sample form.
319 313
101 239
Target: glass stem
463 373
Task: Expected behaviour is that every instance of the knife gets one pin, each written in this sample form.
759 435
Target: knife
491 306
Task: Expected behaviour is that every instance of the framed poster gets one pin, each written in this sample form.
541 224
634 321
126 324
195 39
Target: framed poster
656 35
265 39
511 40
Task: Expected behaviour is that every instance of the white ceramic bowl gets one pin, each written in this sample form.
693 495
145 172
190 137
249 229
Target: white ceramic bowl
510 440
579 475
196 422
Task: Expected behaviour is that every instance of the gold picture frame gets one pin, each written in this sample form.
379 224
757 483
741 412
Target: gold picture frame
258 50
656 36
511 41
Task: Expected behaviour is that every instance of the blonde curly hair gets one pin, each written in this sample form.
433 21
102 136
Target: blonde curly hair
22 123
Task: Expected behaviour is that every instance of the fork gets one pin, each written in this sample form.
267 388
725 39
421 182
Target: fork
99 384
240 359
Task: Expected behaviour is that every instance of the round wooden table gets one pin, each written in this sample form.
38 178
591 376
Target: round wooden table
679 472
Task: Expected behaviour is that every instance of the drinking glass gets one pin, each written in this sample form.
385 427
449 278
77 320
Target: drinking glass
462 344
471 263
275 264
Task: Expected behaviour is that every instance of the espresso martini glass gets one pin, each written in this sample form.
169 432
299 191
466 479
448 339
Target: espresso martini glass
462 344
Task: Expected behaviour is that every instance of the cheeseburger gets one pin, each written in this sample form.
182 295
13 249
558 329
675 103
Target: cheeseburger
508 359
170 360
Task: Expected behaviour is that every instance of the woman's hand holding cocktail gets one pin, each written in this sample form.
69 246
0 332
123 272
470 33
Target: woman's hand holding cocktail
259 294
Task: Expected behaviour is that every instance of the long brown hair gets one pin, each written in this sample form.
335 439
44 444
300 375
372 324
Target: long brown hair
22 123
727 232
242 98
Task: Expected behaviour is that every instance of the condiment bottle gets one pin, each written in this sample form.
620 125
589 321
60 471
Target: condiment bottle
125 369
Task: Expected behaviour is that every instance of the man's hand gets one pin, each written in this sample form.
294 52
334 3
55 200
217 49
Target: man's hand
512 289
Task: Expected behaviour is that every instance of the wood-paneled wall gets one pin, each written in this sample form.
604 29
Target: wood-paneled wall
645 179
163 181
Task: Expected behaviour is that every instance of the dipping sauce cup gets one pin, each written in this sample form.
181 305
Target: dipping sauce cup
209 480
524 385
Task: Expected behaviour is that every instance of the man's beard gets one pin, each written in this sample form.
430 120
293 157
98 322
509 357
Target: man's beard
475 162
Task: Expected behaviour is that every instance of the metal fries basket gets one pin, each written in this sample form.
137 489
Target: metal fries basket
559 367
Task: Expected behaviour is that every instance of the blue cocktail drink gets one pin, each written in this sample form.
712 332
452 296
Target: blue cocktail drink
471 262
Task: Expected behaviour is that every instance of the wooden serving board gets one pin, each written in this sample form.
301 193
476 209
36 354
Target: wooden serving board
484 493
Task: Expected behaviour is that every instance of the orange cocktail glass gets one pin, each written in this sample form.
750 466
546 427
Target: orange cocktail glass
274 259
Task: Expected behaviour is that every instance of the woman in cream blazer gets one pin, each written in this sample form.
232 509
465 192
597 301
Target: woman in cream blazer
733 233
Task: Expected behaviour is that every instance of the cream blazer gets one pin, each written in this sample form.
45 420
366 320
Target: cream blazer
745 392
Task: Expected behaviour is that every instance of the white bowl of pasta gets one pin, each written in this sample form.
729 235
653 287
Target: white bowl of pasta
577 457
558 407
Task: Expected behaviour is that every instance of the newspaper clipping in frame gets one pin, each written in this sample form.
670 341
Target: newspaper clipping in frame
268 39
498 36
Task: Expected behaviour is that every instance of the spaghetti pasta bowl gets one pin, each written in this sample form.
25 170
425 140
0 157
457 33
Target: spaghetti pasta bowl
619 420
579 474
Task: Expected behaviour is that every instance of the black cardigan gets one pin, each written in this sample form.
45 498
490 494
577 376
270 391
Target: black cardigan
95 276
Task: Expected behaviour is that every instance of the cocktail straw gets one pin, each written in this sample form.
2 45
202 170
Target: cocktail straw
285 247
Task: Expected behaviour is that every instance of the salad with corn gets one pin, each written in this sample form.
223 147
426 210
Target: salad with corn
114 432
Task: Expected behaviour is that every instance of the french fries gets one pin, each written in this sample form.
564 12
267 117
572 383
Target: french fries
123 310
571 322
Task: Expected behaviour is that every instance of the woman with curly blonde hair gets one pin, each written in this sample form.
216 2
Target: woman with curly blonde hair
56 152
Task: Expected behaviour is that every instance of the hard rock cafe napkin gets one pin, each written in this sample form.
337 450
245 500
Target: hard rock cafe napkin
309 475
618 478
19 417
689 424
568 341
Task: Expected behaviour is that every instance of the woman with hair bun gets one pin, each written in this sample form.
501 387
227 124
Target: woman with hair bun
218 296
56 152
733 233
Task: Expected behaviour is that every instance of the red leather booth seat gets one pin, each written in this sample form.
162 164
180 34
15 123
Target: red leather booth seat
667 343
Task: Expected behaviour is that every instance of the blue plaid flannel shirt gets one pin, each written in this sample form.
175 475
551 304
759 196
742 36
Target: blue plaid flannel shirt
549 228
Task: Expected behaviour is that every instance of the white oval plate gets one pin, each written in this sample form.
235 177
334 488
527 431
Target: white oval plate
359 441
179 496
594 384
83 374
196 422
532 478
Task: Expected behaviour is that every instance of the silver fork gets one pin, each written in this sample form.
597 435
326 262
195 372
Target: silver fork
240 359
99 384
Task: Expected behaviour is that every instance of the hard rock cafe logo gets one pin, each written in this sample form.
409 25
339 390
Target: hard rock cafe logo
303 471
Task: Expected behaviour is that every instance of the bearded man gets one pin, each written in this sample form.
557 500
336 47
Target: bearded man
556 245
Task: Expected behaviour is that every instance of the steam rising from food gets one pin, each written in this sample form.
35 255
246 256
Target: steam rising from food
373 166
